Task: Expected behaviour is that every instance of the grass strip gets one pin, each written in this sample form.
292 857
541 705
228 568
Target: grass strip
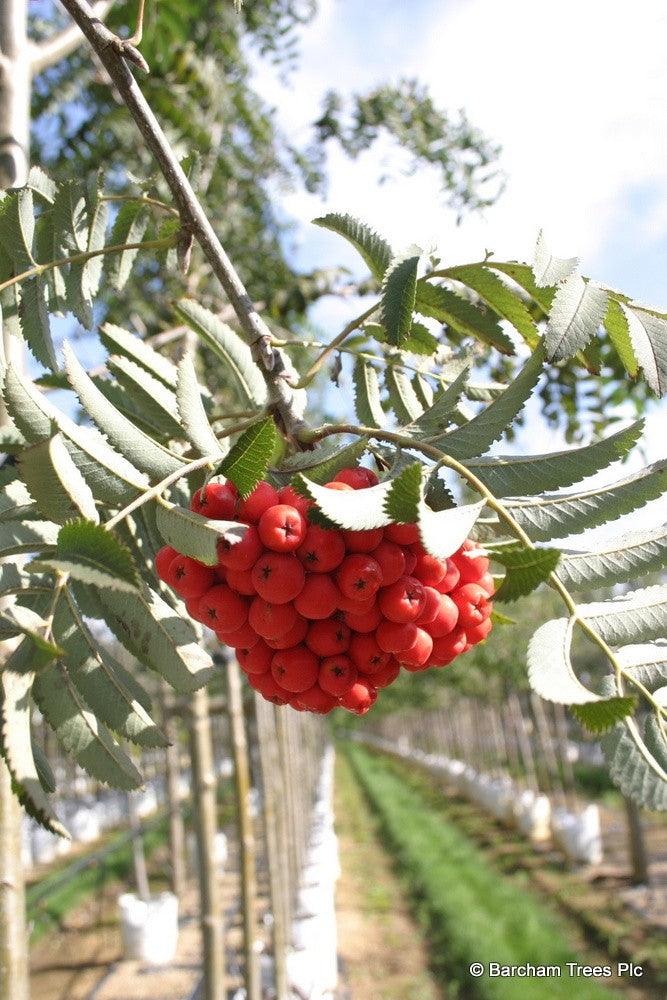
470 911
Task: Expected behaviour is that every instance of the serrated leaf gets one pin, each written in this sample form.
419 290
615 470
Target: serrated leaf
616 325
45 774
634 617
325 460
158 636
17 749
599 717
70 221
402 397
423 390
59 489
399 289
443 532
137 447
578 309
41 184
550 270
438 497
648 335
403 501
461 315
420 341
553 516
80 733
356 510
628 558
523 275
374 250
149 396
525 568
522 475
367 394
250 455
647 661
35 324
129 227
91 270
477 436
93 556
194 535
228 346
119 341
17 229
192 413
438 416
17 620
18 537
550 670
499 297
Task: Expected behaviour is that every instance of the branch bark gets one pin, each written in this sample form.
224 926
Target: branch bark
51 51
14 94
287 403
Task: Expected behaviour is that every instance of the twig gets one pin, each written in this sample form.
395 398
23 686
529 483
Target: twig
51 51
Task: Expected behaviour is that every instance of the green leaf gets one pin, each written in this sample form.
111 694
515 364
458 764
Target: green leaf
499 297
374 250
523 275
646 661
621 560
80 733
228 346
550 670
498 618
35 324
599 717
192 413
356 510
149 396
443 532
556 515
91 270
249 458
616 325
423 390
403 501
194 535
129 227
399 289
119 341
633 617
42 185
526 570
104 684
17 229
17 749
132 443
648 335
325 460
157 635
438 497
70 221
477 436
578 309
17 537
367 394
92 555
550 270
59 489
420 341
438 416
17 620
402 397
521 475
461 315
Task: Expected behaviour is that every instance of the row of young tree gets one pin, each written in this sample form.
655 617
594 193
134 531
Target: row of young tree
154 160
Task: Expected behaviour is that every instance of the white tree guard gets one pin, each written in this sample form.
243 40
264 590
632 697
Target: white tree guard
149 928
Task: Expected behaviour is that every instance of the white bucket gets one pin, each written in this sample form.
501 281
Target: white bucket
149 928
533 816
84 824
579 835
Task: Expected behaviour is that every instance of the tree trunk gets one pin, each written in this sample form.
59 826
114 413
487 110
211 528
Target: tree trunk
138 856
245 825
173 797
14 980
636 844
14 94
205 814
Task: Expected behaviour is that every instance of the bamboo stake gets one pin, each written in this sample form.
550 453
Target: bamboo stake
173 796
637 852
138 856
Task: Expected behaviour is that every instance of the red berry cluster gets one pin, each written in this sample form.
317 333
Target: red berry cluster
320 617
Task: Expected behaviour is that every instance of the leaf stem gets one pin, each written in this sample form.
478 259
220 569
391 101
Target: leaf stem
142 200
329 349
154 492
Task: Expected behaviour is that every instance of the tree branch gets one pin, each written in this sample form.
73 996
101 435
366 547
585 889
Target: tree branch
45 54
286 402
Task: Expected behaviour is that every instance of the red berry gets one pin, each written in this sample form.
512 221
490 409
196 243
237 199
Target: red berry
295 669
217 501
222 609
410 561
278 577
163 559
404 600
359 577
450 579
239 580
314 700
447 648
262 497
363 607
342 487
473 604
328 638
486 582
358 478
192 608
296 634
367 655
282 528
431 608
319 597
392 561
394 637
429 569
271 620
471 562
416 656
269 688
289 496
386 675
337 675
477 633
188 577
367 622
256 659
363 541
321 550
445 619
241 555
360 698
402 534
244 637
